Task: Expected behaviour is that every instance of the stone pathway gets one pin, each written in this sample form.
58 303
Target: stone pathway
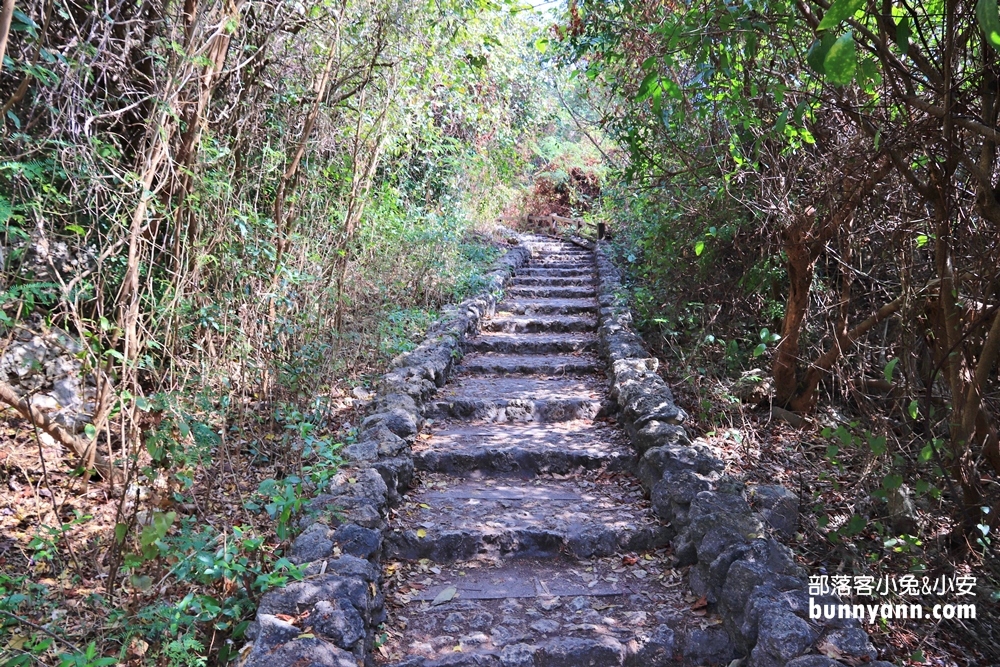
526 540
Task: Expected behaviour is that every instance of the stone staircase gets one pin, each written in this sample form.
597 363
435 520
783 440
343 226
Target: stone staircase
526 540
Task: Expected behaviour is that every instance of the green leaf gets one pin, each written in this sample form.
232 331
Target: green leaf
927 453
779 125
542 44
839 10
877 445
989 21
892 482
818 50
841 62
646 86
889 368
759 350
913 409
856 524
903 33
699 248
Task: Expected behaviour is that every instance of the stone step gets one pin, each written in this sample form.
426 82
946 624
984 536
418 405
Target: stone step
526 364
541 324
561 264
548 613
549 271
516 399
543 343
551 292
585 515
563 257
524 448
547 306
555 281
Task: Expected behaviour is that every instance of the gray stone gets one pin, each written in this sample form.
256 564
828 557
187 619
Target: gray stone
357 541
778 506
686 543
658 434
518 655
309 652
818 661
672 495
767 599
393 402
783 636
299 596
466 660
579 603
454 623
360 452
398 421
386 442
648 399
272 631
367 484
589 541
501 635
852 643
577 652
545 626
411 661
676 458
481 621
708 646
473 639
397 473
657 651
314 543
339 622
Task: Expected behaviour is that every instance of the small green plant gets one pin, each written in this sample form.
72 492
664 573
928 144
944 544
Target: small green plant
766 338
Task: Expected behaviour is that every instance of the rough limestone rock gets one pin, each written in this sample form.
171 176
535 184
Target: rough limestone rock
398 421
575 652
659 434
724 513
781 637
672 495
658 649
675 458
817 661
314 543
310 652
518 655
708 646
852 643
778 506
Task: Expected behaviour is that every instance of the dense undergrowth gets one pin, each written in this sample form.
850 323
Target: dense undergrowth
220 222
809 223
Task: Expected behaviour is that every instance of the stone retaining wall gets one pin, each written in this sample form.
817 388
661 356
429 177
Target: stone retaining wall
337 608
723 530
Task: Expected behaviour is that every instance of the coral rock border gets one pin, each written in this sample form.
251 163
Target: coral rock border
331 617
723 530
